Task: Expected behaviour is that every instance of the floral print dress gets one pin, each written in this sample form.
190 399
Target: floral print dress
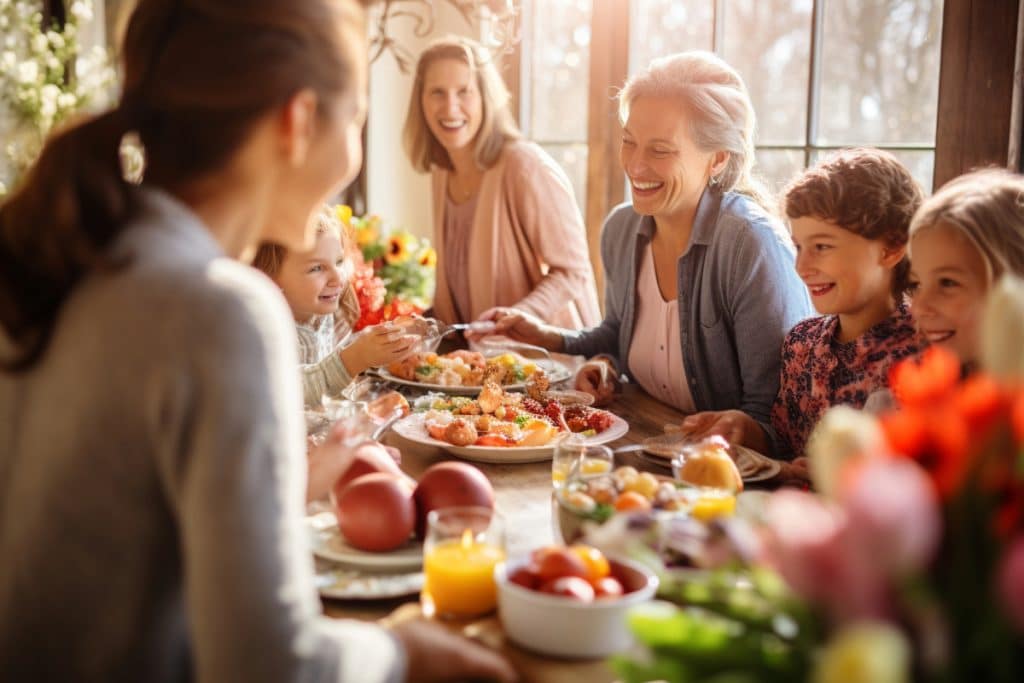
819 371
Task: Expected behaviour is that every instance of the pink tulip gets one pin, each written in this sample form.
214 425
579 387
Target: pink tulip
803 540
1011 581
893 515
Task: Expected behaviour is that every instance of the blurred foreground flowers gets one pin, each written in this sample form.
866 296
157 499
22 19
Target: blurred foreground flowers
394 270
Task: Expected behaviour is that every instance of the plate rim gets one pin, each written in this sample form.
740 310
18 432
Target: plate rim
493 455
364 560
347 594
468 390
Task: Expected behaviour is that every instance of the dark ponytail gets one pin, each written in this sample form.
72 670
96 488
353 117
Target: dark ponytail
198 74
56 226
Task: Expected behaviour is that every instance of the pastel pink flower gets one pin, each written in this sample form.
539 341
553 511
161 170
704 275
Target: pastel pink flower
1011 581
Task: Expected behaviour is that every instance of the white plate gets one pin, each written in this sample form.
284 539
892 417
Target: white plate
355 584
411 427
555 371
328 544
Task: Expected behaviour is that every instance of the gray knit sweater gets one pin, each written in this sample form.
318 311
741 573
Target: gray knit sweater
152 478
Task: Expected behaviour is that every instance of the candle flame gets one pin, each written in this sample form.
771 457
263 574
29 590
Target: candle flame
467 538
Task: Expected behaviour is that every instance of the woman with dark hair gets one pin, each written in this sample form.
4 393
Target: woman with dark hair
507 229
151 439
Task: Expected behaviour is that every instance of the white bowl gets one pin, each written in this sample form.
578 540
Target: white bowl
563 627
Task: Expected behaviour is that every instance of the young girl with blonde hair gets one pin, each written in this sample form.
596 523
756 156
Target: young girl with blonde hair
317 284
963 239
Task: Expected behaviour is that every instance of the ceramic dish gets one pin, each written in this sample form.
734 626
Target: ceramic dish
328 544
752 465
411 427
555 371
354 584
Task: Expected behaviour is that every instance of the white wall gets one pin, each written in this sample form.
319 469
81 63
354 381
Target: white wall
394 190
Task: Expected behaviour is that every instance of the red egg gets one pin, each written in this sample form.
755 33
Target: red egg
450 484
608 587
571 587
368 458
526 576
376 512
554 562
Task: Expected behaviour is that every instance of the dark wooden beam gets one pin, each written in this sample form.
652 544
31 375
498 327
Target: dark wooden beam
976 80
609 66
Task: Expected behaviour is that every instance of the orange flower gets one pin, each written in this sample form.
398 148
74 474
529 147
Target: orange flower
920 384
938 439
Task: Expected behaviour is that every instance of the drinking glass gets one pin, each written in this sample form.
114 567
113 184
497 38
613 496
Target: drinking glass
574 453
461 549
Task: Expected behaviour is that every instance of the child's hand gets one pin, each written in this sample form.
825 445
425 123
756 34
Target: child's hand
733 425
376 346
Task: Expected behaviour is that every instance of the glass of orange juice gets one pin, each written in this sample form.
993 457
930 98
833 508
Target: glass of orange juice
573 455
461 549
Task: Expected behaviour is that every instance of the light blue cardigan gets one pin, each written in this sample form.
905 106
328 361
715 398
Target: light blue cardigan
738 295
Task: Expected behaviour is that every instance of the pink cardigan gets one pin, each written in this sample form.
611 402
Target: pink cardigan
528 248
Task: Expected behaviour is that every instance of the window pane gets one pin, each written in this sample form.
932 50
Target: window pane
770 45
662 27
573 158
560 70
920 164
879 71
776 167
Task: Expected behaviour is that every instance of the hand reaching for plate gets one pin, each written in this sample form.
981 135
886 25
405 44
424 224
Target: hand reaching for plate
734 425
520 326
598 378
376 346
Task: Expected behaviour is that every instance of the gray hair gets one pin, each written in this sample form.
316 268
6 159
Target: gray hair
722 116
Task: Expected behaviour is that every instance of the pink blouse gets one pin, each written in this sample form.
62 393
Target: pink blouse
655 357
458 227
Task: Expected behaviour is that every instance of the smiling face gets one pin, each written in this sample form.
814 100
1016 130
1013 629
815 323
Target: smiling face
667 172
948 283
452 104
847 275
313 281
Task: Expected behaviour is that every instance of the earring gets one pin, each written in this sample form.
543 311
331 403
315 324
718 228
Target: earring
713 181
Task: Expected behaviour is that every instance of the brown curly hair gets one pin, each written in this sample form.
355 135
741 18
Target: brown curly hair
864 190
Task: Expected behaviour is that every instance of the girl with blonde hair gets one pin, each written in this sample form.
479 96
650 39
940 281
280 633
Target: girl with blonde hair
700 286
506 226
962 240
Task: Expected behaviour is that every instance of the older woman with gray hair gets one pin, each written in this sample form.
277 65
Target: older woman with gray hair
700 285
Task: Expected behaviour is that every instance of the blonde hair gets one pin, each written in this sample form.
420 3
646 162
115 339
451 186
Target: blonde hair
270 255
987 207
497 128
721 115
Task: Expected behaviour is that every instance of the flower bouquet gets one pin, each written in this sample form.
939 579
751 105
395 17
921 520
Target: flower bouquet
908 564
394 271
45 77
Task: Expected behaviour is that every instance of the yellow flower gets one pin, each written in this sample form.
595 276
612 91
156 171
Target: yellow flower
398 248
366 235
872 652
428 257
344 213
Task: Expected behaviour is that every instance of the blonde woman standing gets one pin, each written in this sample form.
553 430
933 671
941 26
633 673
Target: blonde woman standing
507 229
700 285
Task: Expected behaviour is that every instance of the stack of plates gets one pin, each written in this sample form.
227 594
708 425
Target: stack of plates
752 465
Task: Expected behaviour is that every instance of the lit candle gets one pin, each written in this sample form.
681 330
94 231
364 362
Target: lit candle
458 576
712 503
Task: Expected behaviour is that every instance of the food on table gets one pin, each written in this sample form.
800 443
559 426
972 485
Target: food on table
708 463
497 418
578 572
376 512
450 484
387 404
627 490
464 368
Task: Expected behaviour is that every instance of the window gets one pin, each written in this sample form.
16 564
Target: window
822 74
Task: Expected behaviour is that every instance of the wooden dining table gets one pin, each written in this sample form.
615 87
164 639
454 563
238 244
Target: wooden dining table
524 498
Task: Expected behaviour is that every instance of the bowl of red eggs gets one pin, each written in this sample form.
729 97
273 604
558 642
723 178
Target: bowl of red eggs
571 601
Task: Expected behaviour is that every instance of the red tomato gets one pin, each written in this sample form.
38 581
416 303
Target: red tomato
555 562
526 576
571 587
376 512
608 587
